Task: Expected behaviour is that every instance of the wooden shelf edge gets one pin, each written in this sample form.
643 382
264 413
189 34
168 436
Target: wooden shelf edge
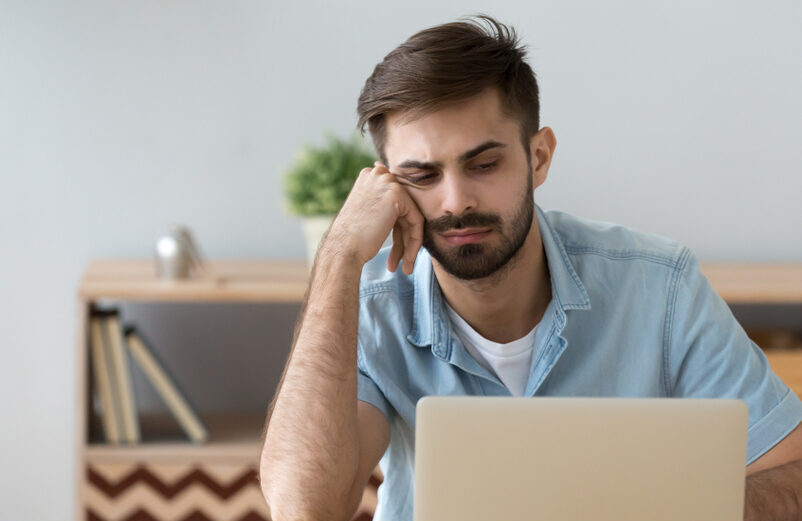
228 281
173 452
286 281
233 437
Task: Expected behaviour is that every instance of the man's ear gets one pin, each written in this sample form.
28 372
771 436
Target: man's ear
541 150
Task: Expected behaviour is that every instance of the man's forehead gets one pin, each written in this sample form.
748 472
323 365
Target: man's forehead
446 133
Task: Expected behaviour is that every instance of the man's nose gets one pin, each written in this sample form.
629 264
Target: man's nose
458 196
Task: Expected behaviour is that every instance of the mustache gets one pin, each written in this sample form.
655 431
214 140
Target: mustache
455 222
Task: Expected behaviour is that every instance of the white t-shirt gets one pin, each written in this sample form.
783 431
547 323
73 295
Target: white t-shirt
510 362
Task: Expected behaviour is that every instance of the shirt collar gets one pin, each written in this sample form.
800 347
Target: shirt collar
429 317
567 288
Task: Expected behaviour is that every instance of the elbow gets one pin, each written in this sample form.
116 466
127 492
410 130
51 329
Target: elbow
286 512
292 495
302 516
291 504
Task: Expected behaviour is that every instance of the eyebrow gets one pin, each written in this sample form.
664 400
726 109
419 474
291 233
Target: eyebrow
475 151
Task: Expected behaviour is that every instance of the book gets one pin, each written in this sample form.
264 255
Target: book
166 386
124 391
102 377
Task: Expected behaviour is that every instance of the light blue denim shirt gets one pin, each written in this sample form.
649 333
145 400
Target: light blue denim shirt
631 315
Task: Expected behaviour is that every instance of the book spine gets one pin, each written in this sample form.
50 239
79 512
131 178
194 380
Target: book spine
130 421
167 388
103 382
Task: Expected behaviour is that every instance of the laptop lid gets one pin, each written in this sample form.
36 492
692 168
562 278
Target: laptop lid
572 459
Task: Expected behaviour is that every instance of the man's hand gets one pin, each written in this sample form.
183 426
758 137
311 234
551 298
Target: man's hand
377 204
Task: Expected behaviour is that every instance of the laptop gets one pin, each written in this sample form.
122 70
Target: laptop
579 459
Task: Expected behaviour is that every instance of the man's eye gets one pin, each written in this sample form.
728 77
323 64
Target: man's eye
422 179
485 166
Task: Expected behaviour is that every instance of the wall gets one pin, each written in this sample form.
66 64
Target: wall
117 119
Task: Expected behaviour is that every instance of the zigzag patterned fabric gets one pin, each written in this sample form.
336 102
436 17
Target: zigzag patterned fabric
186 492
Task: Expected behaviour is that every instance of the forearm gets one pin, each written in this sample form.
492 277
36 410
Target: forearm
775 494
310 454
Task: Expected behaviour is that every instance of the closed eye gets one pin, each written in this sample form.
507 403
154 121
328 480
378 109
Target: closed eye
485 166
422 178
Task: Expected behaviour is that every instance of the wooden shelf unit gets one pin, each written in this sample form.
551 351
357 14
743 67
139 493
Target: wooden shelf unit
235 439
110 478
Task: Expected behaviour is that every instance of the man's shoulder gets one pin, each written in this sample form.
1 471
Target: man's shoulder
607 240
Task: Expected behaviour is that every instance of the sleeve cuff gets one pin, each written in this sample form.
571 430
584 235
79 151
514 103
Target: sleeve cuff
774 426
368 391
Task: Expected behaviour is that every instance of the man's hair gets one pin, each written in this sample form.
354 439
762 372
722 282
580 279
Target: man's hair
446 64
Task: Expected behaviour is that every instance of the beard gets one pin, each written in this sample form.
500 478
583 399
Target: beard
477 261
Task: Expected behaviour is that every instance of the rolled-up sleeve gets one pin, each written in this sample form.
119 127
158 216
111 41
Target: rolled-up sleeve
367 390
709 355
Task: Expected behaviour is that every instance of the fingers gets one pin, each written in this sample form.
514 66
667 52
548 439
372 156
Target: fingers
411 226
408 229
380 168
397 250
412 245
410 222
405 247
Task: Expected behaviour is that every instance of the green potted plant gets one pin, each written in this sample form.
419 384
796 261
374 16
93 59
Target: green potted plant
317 185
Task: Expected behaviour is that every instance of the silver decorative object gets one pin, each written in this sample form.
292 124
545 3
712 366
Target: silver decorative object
177 254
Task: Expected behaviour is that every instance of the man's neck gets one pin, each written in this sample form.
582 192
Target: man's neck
508 304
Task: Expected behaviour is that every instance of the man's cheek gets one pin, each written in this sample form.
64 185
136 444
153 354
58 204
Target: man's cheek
423 203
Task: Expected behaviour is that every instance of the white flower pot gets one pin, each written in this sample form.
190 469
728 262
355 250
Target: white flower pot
314 227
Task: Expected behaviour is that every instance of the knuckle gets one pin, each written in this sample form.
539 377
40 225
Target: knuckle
397 189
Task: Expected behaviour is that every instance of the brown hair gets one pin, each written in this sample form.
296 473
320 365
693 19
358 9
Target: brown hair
449 63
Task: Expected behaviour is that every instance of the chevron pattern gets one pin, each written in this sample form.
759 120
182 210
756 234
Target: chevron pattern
185 492
143 515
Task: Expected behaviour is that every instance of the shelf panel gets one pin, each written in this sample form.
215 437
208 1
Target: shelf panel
286 281
229 281
756 283
232 438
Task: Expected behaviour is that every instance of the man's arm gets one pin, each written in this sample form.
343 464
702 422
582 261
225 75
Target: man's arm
775 494
774 482
321 443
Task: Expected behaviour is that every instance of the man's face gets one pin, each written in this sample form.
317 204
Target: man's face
467 170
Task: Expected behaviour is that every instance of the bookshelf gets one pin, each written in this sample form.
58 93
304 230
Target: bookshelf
165 477
119 478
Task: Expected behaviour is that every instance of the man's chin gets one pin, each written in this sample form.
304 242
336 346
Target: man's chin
465 262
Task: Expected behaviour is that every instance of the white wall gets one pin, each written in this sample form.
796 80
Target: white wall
117 119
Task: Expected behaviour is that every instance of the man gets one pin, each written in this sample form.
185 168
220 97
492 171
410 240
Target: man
503 298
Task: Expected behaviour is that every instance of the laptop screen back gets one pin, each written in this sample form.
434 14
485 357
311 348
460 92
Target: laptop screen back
565 459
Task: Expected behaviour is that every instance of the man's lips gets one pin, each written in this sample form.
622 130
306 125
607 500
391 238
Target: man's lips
465 236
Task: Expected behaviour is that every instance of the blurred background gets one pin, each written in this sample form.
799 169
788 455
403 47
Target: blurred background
118 119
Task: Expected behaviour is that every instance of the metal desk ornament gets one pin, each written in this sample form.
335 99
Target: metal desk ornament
178 256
